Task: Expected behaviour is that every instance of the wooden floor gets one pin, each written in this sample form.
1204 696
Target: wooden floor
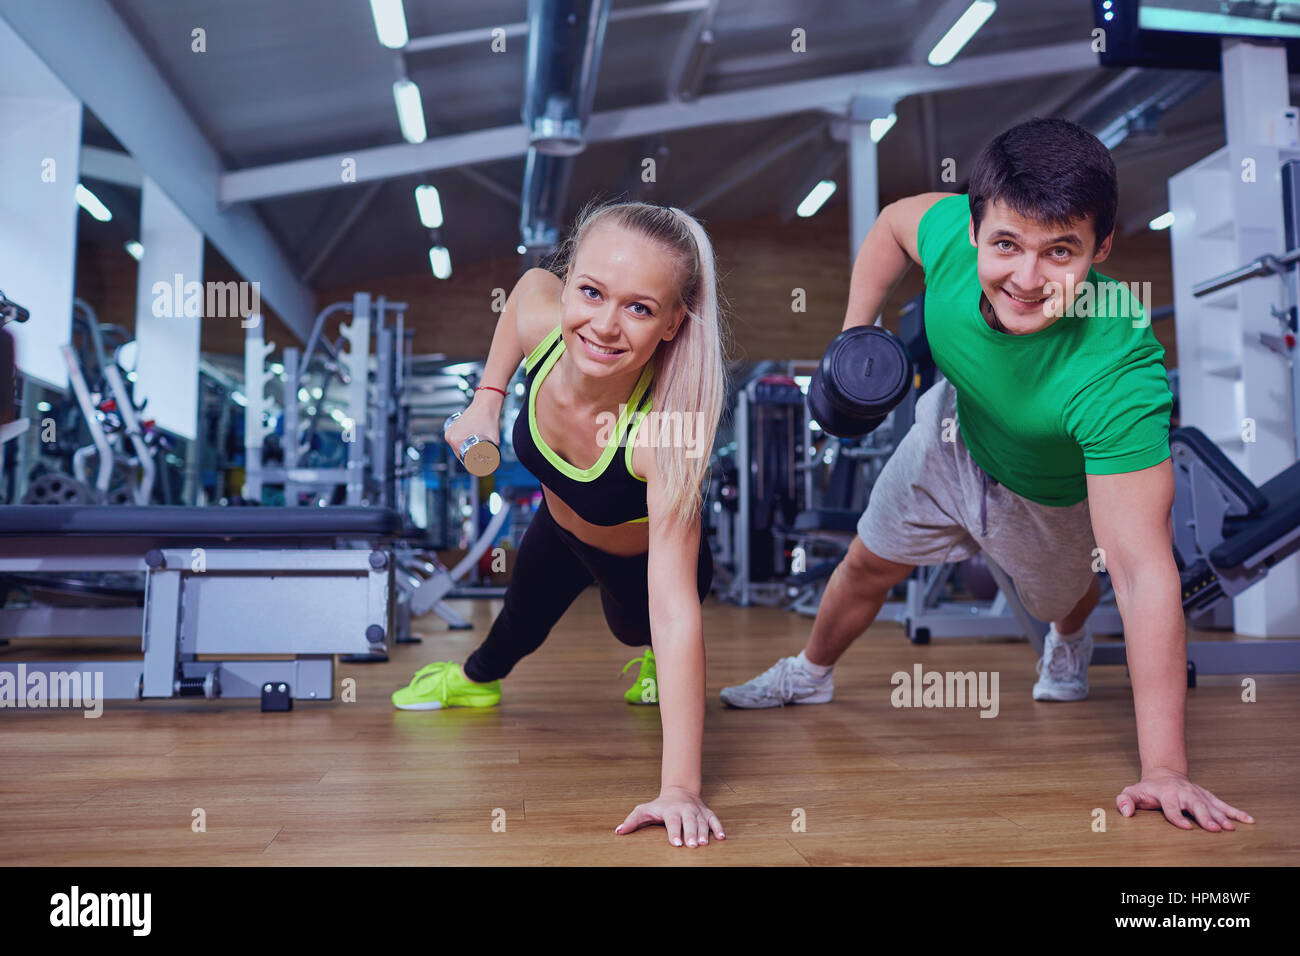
565 759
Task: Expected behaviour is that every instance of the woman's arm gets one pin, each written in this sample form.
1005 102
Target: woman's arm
517 333
677 633
677 630
518 330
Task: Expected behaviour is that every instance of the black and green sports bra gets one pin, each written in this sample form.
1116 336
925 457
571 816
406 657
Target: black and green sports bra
608 493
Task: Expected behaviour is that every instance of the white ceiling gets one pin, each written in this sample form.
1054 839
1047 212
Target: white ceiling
290 79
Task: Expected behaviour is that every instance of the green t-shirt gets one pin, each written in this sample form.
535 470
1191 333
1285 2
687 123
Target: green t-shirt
1087 395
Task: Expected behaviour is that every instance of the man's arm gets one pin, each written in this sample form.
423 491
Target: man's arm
887 252
1131 522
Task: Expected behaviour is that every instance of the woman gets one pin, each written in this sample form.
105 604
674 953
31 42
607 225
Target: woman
633 326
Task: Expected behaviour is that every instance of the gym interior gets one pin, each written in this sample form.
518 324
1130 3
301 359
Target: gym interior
267 267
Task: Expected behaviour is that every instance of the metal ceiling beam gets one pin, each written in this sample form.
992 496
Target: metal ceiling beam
506 142
691 59
491 185
381 162
340 232
784 59
823 167
111 166
1103 94
116 79
757 159
1151 106
443 41
1044 109
1202 138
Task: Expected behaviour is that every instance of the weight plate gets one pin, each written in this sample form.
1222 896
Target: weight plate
868 370
53 488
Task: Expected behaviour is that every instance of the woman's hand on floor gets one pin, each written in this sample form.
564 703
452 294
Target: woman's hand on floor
683 815
1172 793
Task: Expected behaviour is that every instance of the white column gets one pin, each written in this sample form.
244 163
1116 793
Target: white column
1227 212
863 184
169 292
864 188
1254 90
39 157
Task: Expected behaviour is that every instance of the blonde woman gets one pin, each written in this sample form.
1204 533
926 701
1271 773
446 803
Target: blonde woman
624 357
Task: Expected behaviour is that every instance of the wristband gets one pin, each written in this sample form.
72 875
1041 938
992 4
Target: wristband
492 387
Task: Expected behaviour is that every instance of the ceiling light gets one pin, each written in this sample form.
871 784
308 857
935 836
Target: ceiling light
816 198
410 111
390 23
90 202
430 206
440 261
959 33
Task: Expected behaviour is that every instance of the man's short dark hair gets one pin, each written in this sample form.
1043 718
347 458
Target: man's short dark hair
1049 170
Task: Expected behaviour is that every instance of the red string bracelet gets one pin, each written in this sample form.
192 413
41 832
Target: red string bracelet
492 387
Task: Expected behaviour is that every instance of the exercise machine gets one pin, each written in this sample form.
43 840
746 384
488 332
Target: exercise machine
1228 534
300 583
9 312
370 422
771 487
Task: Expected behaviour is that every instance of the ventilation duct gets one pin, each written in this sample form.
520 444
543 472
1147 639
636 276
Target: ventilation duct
1134 105
565 38
564 44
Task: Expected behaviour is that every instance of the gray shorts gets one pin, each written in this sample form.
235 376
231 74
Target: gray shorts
932 504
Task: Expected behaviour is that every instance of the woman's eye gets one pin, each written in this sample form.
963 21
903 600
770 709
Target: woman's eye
586 288
638 305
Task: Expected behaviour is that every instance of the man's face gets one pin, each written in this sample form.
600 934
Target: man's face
1032 272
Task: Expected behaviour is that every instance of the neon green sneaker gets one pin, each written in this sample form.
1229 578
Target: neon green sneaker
442 684
646 688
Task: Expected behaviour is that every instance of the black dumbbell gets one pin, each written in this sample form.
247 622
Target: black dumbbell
863 376
479 456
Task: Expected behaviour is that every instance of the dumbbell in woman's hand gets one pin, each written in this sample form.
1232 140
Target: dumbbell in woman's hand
863 376
477 452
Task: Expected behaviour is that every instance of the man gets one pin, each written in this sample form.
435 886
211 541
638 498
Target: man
1047 446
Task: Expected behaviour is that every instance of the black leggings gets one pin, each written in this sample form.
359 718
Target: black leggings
551 569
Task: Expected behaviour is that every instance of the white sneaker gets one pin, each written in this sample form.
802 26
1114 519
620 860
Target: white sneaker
1063 668
785 682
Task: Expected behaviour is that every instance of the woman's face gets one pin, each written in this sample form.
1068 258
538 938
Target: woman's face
620 301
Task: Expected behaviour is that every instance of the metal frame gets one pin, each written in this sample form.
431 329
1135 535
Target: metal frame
373 408
308 603
831 93
1202 502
